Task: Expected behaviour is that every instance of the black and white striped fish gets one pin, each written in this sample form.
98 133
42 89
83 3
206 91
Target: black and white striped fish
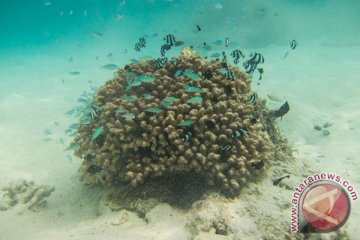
187 136
261 71
164 48
170 39
142 42
160 62
226 147
224 57
253 97
229 74
227 42
137 47
239 133
257 58
293 44
249 67
237 54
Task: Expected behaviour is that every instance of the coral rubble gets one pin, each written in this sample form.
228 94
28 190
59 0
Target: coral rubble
185 116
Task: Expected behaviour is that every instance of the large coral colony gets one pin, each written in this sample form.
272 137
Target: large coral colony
164 117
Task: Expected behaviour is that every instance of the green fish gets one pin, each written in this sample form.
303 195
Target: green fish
74 73
128 116
72 147
166 104
223 70
177 73
196 99
190 73
218 42
136 82
147 79
133 60
96 133
169 99
190 88
147 96
153 110
185 123
120 110
129 98
110 66
215 55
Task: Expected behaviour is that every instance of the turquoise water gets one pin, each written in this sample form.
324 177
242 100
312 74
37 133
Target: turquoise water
42 42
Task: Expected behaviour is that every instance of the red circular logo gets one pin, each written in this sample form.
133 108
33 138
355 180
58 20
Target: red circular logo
325 207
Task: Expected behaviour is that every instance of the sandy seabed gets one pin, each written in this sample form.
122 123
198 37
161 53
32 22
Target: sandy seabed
320 83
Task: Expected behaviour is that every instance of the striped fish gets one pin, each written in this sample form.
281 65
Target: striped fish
226 147
227 42
257 58
224 58
253 97
261 71
170 39
160 62
239 133
229 74
187 137
137 47
142 42
164 48
249 67
293 44
237 54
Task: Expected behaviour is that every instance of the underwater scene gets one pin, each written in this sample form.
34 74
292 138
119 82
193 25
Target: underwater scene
179 119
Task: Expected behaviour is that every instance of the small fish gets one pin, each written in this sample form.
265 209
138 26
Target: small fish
128 116
147 96
110 66
190 88
257 164
130 98
224 57
239 133
187 137
164 48
137 47
198 28
47 3
96 133
97 34
215 55
191 74
249 67
185 123
69 157
92 169
62 141
72 147
74 73
147 79
71 12
120 110
257 58
293 44
218 42
169 99
277 181
153 110
237 54
166 104
227 42
252 98
61 13
229 74
160 62
170 39
178 73
85 13
142 42
110 55
194 100
179 43
208 74
226 147
282 110
261 71
206 47
71 59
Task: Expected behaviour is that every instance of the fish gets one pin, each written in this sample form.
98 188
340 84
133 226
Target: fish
227 42
277 181
208 74
169 99
110 55
147 96
185 123
191 88
194 100
96 133
74 73
282 110
69 157
215 55
187 137
120 110
47 3
191 74
97 34
249 67
110 66
85 13
293 44
206 47
218 42
142 42
61 13
130 98
179 43
71 12
229 74
178 73
237 54
226 147
198 28
62 141
153 110
166 104
72 147
257 58
160 62
239 133
257 164
147 79
137 47
170 39
261 71
128 116
224 57
164 48
92 169
252 98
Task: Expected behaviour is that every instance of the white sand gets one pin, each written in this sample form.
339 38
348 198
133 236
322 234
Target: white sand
320 83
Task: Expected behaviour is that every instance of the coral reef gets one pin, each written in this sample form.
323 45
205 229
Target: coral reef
158 119
25 193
